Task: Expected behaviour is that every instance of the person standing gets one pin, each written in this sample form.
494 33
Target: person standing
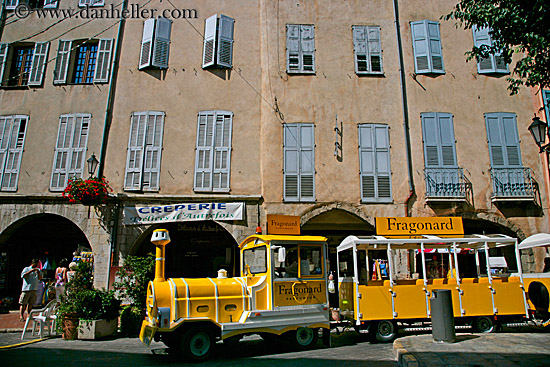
31 275
60 279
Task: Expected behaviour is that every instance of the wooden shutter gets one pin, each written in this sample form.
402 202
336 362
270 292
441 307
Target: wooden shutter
153 150
374 160
11 4
482 38
503 140
59 171
222 151
209 49
134 158
83 3
161 44
434 41
11 150
3 60
204 151
225 42
307 162
439 140
291 158
103 64
360 49
546 102
79 142
39 59
307 45
420 47
293 54
375 49
146 43
50 4
62 62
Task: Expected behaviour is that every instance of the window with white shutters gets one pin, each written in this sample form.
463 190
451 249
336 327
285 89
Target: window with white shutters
218 41
155 43
300 48
83 62
299 162
428 56
213 151
494 63
367 49
374 161
502 134
23 65
83 3
12 139
70 151
439 140
546 101
12 4
144 151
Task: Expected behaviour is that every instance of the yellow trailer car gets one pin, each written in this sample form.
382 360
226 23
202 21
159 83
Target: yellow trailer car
378 298
281 293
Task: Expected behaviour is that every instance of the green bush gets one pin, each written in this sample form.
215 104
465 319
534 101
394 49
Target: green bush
130 320
134 277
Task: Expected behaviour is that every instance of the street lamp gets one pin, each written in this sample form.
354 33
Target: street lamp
92 164
539 130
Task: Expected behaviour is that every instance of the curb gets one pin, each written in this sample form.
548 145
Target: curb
25 343
403 356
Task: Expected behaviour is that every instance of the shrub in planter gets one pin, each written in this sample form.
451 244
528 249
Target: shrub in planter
131 318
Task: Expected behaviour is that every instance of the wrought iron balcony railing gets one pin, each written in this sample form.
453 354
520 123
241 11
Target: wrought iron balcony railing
447 184
513 183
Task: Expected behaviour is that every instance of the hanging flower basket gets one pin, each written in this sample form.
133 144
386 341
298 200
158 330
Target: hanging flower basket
90 192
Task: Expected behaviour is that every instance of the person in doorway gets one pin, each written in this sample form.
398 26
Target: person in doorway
60 279
546 265
31 275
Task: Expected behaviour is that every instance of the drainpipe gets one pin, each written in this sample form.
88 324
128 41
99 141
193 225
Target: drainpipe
106 127
405 106
2 18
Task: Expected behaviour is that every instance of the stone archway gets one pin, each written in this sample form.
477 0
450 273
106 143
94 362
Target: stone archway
48 237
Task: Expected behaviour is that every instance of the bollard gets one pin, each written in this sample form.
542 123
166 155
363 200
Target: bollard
443 321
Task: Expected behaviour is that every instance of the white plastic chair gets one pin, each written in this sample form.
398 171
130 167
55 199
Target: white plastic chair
42 317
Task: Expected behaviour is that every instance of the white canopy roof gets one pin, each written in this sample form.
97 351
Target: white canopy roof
536 240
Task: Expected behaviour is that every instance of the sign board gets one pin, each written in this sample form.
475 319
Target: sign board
411 226
152 214
294 293
283 224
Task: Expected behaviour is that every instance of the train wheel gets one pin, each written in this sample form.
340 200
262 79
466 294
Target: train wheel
197 344
384 331
304 337
484 324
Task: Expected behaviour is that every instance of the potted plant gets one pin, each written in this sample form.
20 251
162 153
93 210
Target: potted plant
92 191
74 299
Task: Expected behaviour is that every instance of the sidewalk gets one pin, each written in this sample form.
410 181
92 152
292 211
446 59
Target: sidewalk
499 349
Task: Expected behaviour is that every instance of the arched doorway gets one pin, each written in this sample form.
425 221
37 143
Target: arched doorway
47 237
196 250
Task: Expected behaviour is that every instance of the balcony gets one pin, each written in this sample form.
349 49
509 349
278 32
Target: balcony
513 184
447 184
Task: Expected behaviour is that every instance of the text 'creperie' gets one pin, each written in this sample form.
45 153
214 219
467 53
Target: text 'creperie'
178 207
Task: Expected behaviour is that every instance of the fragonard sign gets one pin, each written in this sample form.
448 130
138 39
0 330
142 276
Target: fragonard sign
182 212
406 226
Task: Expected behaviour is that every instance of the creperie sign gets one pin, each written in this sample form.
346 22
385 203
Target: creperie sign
407 226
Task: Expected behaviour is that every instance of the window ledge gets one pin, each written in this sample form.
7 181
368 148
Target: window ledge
495 199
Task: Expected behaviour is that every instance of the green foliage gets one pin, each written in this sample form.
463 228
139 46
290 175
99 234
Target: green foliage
134 278
131 318
518 26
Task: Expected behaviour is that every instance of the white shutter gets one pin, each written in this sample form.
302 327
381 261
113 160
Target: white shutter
502 134
307 162
481 38
374 161
291 162
204 153
62 62
83 3
222 151
3 60
134 158
209 49
225 42
153 150
146 43
434 42
79 142
50 4
161 43
12 140
11 4
383 168
375 49
367 49
103 63
62 151
430 133
420 47
360 49
307 44
39 59
293 52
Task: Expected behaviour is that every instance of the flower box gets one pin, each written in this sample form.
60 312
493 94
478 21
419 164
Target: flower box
95 329
90 192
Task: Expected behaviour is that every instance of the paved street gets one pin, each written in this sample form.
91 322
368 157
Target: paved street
349 349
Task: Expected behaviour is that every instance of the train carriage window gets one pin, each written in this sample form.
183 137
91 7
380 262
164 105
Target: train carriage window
311 261
255 260
345 263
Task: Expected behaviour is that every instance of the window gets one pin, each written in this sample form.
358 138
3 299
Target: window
502 134
439 140
300 49
310 258
70 151
367 49
428 57
155 43
23 65
218 41
374 161
255 260
144 151
12 139
299 162
213 151
83 62
495 62
546 101
83 3
33 4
